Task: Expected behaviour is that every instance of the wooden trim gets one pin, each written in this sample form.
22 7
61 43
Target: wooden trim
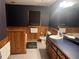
30 36
3 42
72 30
54 31
42 30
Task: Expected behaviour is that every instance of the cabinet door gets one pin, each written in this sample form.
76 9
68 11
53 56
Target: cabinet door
58 57
54 55
51 51
12 44
20 42
48 47
62 56
17 42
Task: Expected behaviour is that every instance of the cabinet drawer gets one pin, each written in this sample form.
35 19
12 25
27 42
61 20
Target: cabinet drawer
61 55
55 48
54 55
58 57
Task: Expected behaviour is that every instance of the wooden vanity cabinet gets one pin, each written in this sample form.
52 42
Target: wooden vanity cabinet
53 51
17 38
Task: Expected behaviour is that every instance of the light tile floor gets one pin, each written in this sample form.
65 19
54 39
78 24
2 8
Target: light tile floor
39 53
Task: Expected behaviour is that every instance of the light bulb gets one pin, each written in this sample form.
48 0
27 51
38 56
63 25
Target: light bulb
66 4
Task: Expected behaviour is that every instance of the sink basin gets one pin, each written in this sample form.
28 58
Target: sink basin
55 37
69 36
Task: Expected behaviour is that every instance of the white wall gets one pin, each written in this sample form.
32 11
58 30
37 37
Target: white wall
5 51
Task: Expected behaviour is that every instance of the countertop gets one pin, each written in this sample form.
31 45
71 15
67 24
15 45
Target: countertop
75 41
68 48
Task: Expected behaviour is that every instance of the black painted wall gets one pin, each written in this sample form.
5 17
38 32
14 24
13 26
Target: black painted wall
18 15
2 20
34 18
68 17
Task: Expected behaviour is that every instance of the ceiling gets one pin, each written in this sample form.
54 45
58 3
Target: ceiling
31 2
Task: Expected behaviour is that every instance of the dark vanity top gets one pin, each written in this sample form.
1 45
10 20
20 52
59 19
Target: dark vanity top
68 48
75 41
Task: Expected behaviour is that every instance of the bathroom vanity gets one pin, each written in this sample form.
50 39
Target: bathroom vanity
61 49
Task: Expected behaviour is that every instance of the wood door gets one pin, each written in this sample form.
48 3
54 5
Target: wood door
17 42
11 38
20 42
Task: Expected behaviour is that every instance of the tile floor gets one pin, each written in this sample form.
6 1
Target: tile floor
39 53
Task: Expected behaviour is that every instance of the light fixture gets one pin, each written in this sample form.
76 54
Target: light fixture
66 4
